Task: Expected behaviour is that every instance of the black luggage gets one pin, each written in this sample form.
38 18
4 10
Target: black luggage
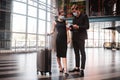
44 61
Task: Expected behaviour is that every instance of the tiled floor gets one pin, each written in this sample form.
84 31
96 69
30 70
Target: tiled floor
101 64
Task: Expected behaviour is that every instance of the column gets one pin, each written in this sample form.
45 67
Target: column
5 16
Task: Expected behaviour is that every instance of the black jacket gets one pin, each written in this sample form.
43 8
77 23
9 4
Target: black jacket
83 22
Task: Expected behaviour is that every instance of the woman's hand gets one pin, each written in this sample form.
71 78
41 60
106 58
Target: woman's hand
48 34
68 41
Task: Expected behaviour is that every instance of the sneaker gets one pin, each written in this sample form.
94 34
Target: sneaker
75 70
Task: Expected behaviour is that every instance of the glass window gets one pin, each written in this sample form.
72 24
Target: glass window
49 2
18 37
96 35
31 40
19 23
117 33
107 40
22 0
49 7
96 27
117 23
90 31
48 27
95 43
107 33
18 40
90 35
101 25
33 2
43 1
108 24
117 37
41 27
42 6
90 43
101 37
101 31
41 40
19 7
32 11
101 42
42 14
32 24
48 16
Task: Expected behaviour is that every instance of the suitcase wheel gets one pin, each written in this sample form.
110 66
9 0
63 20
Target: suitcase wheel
44 73
37 71
50 73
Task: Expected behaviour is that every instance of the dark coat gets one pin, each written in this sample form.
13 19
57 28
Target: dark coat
83 22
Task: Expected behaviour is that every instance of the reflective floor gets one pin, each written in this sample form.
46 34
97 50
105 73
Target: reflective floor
101 64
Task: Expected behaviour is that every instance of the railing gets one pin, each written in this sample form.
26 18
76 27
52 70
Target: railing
7 46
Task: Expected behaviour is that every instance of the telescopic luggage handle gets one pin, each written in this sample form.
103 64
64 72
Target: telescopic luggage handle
47 41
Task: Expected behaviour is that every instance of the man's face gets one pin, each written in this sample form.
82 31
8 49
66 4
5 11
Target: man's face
75 12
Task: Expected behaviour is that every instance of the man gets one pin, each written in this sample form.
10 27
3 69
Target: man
108 7
79 34
118 7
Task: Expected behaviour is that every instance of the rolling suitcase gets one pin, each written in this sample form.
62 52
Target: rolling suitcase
44 61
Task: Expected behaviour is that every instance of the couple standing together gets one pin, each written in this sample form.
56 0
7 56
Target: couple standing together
79 34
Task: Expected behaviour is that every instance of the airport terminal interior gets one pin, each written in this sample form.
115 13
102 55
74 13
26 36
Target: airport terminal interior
25 23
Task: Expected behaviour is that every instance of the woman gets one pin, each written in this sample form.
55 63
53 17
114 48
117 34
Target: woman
61 41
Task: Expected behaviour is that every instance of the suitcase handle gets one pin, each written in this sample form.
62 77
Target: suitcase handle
47 41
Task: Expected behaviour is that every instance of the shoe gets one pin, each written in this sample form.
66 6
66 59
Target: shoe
62 70
81 73
75 70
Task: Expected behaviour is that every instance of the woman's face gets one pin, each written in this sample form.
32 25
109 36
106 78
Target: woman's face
62 13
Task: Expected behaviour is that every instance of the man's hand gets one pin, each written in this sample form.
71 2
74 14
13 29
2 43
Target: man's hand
75 26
